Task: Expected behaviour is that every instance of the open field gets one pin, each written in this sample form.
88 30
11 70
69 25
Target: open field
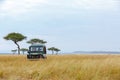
60 67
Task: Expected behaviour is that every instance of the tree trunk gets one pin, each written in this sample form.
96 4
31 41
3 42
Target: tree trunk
52 52
18 47
23 52
56 52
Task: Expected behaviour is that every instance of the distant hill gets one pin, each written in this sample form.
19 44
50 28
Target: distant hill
96 52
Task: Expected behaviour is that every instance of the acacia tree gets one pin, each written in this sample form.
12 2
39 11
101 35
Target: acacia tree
36 40
14 51
23 50
15 37
52 49
57 50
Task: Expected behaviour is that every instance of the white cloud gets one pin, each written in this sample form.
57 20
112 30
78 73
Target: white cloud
86 4
16 7
96 4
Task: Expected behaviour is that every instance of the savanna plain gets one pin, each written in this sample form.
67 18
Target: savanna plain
60 67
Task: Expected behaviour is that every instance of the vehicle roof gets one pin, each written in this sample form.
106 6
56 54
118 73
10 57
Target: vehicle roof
37 44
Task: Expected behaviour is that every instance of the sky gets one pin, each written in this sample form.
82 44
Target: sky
71 25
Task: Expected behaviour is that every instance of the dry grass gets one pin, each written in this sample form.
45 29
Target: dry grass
61 67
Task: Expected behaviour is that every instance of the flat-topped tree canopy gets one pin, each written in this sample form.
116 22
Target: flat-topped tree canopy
36 40
16 37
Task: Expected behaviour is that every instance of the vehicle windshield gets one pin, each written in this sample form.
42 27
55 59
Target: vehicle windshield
36 48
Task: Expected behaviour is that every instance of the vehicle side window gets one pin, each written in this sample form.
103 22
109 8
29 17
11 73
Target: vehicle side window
40 48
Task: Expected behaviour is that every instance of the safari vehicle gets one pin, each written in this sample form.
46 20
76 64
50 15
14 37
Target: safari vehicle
37 51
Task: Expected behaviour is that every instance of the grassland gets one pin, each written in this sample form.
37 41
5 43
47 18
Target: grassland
60 67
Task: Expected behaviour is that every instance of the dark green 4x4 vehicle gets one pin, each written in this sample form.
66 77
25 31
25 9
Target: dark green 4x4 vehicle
37 51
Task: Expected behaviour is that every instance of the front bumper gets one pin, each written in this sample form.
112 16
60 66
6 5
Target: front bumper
35 56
